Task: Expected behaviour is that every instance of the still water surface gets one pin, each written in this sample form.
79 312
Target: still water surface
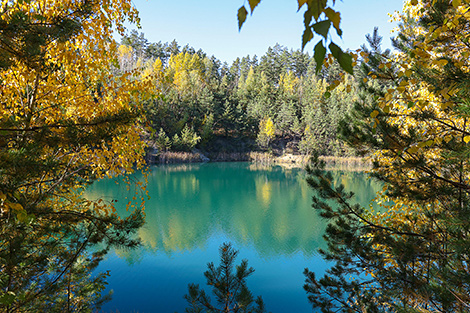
265 212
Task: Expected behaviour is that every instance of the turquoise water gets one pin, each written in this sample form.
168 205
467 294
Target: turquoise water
265 212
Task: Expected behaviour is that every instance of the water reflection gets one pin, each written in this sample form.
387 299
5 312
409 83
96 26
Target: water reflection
264 211
266 207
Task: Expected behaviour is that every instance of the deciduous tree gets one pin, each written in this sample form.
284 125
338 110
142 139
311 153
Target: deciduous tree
66 119
267 132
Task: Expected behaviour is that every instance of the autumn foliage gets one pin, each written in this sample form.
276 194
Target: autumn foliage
411 255
66 119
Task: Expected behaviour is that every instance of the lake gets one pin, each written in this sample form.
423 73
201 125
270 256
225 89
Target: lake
264 211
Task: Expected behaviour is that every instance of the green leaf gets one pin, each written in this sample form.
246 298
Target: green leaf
319 55
322 28
242 13
39 17
22 216
307 18
253 4
7 298
335 50
317 7
344 59
307 36
327 94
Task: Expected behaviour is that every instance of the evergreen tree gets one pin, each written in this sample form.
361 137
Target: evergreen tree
235 71
228 286
299 63
138 42
412 255
157 50
163 142
228 118
273 63
173 48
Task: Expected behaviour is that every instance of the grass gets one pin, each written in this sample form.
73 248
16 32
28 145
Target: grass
346 163
266 158
179 157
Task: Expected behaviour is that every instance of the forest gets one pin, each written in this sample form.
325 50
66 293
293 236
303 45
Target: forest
275 104
77 107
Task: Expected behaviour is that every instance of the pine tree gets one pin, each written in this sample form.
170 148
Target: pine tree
228 286
412 255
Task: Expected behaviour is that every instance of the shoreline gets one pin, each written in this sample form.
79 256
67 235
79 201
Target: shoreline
285 160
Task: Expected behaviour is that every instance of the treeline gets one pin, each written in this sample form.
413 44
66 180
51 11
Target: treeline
275 102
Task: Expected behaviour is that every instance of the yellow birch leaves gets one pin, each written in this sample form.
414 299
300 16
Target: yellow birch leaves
70 91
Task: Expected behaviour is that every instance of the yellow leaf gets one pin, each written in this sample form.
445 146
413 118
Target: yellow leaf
445 93
444 105
466 139
16 206
301 3
22 216
374 113
333 16
242 13
442 62
253 4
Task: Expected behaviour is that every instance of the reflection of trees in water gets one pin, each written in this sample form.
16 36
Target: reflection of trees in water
268 208
364 189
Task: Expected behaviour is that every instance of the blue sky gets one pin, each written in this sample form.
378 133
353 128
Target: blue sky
212 24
